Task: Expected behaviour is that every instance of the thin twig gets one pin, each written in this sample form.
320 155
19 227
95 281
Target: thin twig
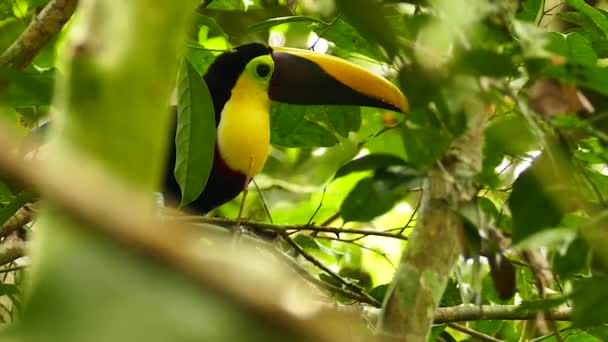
223 222
325 30
409 221
314 261
11 269
322 284
473 333
382 254
312 217
264 203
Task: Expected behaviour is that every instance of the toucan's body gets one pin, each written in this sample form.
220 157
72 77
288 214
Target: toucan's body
243 82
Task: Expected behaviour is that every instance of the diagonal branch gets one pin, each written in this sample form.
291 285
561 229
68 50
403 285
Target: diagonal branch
42 29
292 228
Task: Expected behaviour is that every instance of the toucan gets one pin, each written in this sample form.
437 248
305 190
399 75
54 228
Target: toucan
243 82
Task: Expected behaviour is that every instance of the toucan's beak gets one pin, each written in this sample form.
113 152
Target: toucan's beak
306 77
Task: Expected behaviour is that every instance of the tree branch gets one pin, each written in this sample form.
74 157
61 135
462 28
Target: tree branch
11 249
41 30
228 223
123 214
357 290
22 217
473 333
495 312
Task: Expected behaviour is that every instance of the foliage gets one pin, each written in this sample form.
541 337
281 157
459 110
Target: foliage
537 68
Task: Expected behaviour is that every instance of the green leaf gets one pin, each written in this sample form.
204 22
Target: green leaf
8 289
423 138
268 23
25 88
291 127
369 162
369 19
17 202
379 292
195 136
533 206
371 197
234 5
542 304
501 131
305 241
20 8
600 21
330 280
203 20
347 40
576 48
343 119
590 303
575 260
530 9
451 295
5 192
482 62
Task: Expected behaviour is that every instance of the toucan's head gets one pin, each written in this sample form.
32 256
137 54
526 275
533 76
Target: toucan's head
301 77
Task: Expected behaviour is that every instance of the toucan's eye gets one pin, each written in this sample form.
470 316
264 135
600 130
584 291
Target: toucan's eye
263 70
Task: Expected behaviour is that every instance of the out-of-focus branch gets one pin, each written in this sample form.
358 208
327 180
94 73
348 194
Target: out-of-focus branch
11 249
22 217
41 30
123 215
495 312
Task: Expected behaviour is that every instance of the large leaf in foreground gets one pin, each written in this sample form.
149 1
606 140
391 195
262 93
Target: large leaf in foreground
195 137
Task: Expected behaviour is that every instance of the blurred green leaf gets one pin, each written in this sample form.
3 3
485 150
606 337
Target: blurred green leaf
500 133
480 62
529 197
203 20
269 23
592 13
369 162
20 8
575 260
590 302
195 135
8 289
5 192
530 10
347 40
305 241
451 295
234 5
291 127
574 47
369 18
21 89
423 138
379 292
